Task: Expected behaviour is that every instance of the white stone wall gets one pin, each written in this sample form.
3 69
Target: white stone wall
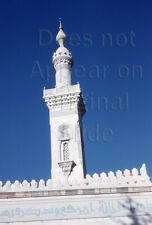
68 118
64 111
105 209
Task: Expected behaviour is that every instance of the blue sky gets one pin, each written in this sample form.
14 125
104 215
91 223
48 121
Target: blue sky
111 46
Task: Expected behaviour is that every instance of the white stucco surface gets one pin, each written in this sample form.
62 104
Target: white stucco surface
107 209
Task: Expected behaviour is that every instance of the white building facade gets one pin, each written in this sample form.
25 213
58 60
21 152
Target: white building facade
71 196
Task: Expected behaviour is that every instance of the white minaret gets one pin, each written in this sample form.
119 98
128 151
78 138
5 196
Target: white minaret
66 109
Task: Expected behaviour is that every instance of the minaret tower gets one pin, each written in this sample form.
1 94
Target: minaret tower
66 109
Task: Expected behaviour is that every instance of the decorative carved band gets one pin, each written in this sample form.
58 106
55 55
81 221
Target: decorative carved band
60 101
66 60
62 58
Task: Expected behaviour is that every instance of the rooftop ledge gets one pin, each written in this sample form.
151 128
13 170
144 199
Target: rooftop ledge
77 192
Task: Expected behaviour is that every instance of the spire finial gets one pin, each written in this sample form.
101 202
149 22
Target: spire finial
60 23
61 37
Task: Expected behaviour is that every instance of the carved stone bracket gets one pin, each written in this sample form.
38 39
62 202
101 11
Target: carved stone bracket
66 167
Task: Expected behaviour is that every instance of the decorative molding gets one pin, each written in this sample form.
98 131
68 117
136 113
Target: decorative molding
62 60
62 56
61 101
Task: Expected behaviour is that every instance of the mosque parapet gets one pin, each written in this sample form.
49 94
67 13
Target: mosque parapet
124 179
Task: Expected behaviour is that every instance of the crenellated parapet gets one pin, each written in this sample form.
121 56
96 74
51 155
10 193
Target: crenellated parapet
120 179
127 178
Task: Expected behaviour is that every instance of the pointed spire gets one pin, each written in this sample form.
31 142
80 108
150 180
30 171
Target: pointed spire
61 37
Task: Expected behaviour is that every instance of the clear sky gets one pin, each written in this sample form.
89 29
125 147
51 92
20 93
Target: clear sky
111 46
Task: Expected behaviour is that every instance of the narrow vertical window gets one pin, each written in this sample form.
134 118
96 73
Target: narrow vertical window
65 151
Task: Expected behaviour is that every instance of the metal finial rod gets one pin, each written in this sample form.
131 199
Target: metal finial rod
60 23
